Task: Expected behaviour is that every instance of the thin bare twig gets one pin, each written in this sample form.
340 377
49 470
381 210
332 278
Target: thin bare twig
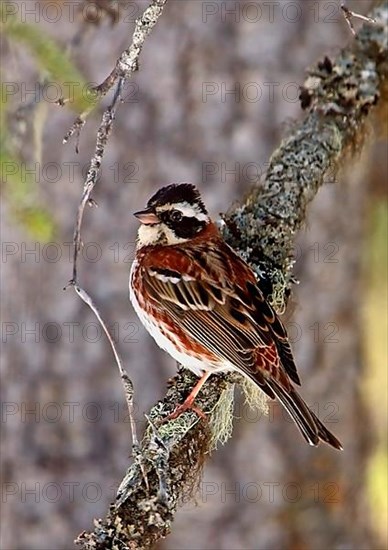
126 381
93 172
348 14
83 294
126 64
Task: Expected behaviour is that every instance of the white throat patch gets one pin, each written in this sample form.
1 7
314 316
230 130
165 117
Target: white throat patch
148 235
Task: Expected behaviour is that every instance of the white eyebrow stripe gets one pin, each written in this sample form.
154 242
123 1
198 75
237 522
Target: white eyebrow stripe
202 217
188 210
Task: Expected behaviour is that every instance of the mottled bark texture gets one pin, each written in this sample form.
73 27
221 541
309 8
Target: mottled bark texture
339 94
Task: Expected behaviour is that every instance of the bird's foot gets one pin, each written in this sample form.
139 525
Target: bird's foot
187 405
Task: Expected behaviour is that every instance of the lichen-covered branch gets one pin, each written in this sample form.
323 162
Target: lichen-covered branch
128 62
339 95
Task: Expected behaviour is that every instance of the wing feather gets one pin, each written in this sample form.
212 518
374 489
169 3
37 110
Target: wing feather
210 312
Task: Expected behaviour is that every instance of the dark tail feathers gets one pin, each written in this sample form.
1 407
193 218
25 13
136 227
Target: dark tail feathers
308 423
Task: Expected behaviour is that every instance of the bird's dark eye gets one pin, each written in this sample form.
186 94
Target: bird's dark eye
176 215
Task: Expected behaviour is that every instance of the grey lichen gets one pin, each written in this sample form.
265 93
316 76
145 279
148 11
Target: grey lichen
128 61
221 418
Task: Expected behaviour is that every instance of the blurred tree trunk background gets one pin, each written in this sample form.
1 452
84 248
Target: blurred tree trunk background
217 89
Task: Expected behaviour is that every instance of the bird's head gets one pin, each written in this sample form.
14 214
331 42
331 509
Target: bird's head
173 215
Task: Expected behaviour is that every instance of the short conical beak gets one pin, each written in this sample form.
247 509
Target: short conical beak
147 216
